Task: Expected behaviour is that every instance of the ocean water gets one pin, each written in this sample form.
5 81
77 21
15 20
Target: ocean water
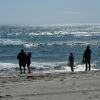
50 46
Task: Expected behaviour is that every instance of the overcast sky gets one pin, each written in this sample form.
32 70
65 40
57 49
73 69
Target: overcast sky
47 12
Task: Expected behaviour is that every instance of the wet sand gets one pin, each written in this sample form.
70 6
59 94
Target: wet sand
51 86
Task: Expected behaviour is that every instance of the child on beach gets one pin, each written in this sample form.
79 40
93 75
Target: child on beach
71 61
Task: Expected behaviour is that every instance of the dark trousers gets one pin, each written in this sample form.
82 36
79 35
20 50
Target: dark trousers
88 66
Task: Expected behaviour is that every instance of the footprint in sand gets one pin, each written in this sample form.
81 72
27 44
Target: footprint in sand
8 95
22 98
94 96
4 82
1 96
84 93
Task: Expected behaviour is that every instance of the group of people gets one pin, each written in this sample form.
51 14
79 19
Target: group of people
86 59
25 60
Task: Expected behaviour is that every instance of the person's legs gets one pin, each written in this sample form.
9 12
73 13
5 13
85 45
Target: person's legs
72 69
86 66
28 67
24 69
89 65
71 65
24 65
20 69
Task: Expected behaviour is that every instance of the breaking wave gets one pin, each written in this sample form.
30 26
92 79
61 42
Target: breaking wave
76 33
56 44
15 42
5 42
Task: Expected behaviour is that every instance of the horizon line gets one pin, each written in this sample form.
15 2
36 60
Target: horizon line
30 25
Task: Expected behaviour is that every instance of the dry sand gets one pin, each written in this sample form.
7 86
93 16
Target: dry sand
47 86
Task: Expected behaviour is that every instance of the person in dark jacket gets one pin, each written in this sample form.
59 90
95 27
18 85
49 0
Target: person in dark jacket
71 61
87 58
22 57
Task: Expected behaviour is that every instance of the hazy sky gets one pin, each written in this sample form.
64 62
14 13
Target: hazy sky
43 12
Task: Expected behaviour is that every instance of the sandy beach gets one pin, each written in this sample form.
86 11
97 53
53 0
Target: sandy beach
51 86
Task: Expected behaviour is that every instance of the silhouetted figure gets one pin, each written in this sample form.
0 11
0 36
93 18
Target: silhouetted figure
87 57
22 60
71 61
28 62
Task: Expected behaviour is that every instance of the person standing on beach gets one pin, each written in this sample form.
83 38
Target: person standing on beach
87 57
71 61
28 62
22 57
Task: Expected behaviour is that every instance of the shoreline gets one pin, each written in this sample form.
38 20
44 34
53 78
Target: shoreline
51 73
41 70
